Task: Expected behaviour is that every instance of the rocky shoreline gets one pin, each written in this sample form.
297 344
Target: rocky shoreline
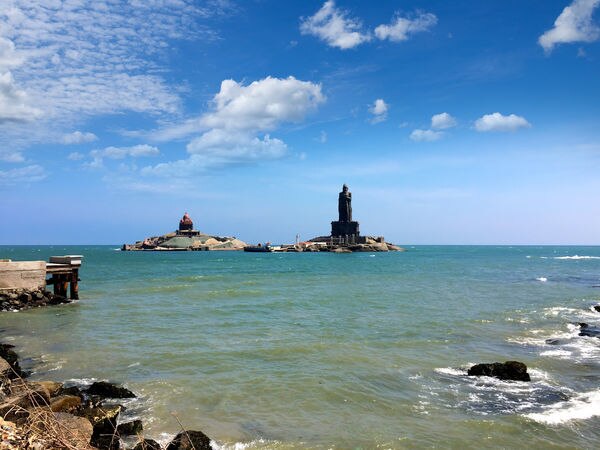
36 415
20 299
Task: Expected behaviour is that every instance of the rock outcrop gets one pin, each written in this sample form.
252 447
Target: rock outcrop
188 440
510 370
18 299
588 330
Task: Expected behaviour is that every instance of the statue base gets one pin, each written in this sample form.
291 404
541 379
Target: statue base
344 228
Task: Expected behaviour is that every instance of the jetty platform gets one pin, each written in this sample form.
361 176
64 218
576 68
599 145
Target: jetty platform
63 273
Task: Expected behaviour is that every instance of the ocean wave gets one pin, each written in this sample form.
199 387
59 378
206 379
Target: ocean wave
542 279
576 257
451 371
581 407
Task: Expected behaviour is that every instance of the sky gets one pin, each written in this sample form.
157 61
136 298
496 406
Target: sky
462 122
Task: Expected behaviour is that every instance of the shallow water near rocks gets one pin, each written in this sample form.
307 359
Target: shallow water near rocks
332 350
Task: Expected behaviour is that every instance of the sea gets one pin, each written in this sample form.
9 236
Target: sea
331 351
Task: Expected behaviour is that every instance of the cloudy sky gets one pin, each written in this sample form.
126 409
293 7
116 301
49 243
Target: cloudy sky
462 122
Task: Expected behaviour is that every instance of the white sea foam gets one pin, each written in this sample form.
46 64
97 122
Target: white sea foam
259 443
576 257
581 407
561 354
451 371
542 279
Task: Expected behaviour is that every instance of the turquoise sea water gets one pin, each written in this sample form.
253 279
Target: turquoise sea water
306 350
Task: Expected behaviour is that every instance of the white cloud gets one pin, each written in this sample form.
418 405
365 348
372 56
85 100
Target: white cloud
8 56
10 156
498 122
574 24
21 175
234 131
236 146
323 137
75 156
401 28
333 26
81 58
79 137
135 151
263 104
14 104
379 110
220 148
426 135
442 121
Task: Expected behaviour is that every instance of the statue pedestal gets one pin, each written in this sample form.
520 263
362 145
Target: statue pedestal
344 228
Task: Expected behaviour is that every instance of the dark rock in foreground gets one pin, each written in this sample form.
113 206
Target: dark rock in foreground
129 428
147 444
510 370
105 389
188 440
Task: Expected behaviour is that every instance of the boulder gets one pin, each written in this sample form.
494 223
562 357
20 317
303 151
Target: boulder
79 429
104 422
7 352
147 444
129 428
71 390
65 403
109 390
510 370
60 430
106 442
52 387
588 330
188 440
6 370
597 308
37 391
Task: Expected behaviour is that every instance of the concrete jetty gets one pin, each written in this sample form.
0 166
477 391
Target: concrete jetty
32 275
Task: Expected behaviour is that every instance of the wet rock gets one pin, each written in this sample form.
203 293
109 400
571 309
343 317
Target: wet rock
188 440
106 442
104 419
588 330
25 297
129 428
7 352
72 390
147 444
65 403
109 390
510 370
597 308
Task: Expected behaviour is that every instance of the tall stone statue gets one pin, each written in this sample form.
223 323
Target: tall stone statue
345 227
345 205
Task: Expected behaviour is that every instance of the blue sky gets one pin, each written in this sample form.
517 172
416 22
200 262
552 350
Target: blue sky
457 122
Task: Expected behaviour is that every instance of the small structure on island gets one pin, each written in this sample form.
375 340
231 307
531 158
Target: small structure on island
186 224
345 234
186 238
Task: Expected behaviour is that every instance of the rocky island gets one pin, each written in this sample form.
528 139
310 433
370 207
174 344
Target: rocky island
186 238
345 235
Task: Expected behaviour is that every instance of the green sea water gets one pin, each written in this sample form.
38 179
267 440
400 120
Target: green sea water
306 350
